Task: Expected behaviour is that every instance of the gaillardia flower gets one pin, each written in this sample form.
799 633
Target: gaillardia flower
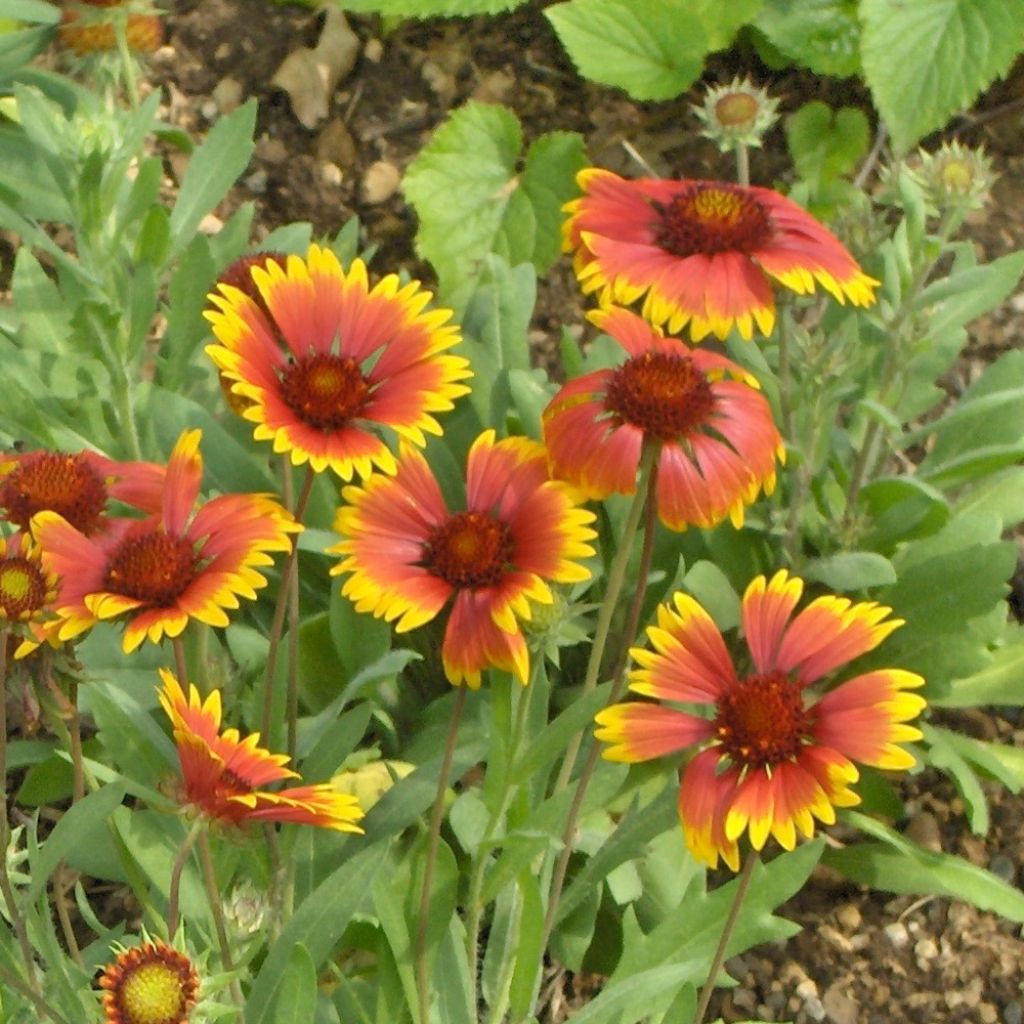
149 984
718 442
703 253
223 774
28 593
159 572
408 554
328 366
775 757
78 487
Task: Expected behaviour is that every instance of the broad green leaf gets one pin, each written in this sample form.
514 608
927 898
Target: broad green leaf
901 508
851 570
430 8
894 864
456 996
945 756
213 168
825 143
823 35
471 199
296 994
653 49
1002 493
997 683
993 760
927 60
317 924
722 21
954 301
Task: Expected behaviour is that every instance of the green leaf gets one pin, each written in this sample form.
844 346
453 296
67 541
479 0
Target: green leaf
927 60
851 570
823 35
894 864
1002 493
997 683
472 202
296 994
653 49
901 508
944 755
825 143
431 8
954 301
212 170
317 924
722 21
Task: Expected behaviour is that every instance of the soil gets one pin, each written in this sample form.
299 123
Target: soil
863 956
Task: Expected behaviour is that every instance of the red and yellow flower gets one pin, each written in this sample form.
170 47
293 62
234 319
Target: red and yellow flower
28 593
774 757
159 572
149 984
223 775
77 486
408 555
718 442
326 366
702 253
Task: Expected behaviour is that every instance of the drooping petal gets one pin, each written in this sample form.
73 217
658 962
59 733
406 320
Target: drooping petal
704 797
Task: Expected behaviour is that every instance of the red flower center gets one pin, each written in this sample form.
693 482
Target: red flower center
709 219
664 395
325 391
60 483
150 566
23 589
761 721
469 550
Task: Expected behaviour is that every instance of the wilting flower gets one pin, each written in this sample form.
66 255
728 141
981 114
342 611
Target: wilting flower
718 442
703 253
408 554
223 774
28 593
328 365
149 984
774 757
159 572
79 487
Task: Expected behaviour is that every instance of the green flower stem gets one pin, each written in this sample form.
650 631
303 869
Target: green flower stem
433 841
213 897
616 578
743 165
180 661
6 889
279 610
292 700
178 867
742 885
649 491
61 882
75 734
893 370
509 787
127 61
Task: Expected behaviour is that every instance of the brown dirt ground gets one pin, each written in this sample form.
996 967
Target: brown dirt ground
863 956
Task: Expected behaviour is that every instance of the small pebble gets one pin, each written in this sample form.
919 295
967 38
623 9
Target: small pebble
1013 1013
256 182
814 1009
380 182
209 109
1003 867
897 934
925 950
227 94
987 1013
373 50
849 917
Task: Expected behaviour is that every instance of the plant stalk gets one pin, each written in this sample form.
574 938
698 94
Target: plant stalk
213 897
176 871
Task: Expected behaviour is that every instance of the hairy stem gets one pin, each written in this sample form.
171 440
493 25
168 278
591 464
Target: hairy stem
213 897
179 866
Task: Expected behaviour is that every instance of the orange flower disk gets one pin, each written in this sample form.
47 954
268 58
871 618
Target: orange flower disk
150 984
408 554
223 773
159 572
702 253
324 364
718 442
774 757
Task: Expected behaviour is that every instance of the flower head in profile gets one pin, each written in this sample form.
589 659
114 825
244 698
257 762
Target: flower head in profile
703 253
774 757
408 555
718 442
157 573
77 486
149 984
28 593
327 366
224 776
